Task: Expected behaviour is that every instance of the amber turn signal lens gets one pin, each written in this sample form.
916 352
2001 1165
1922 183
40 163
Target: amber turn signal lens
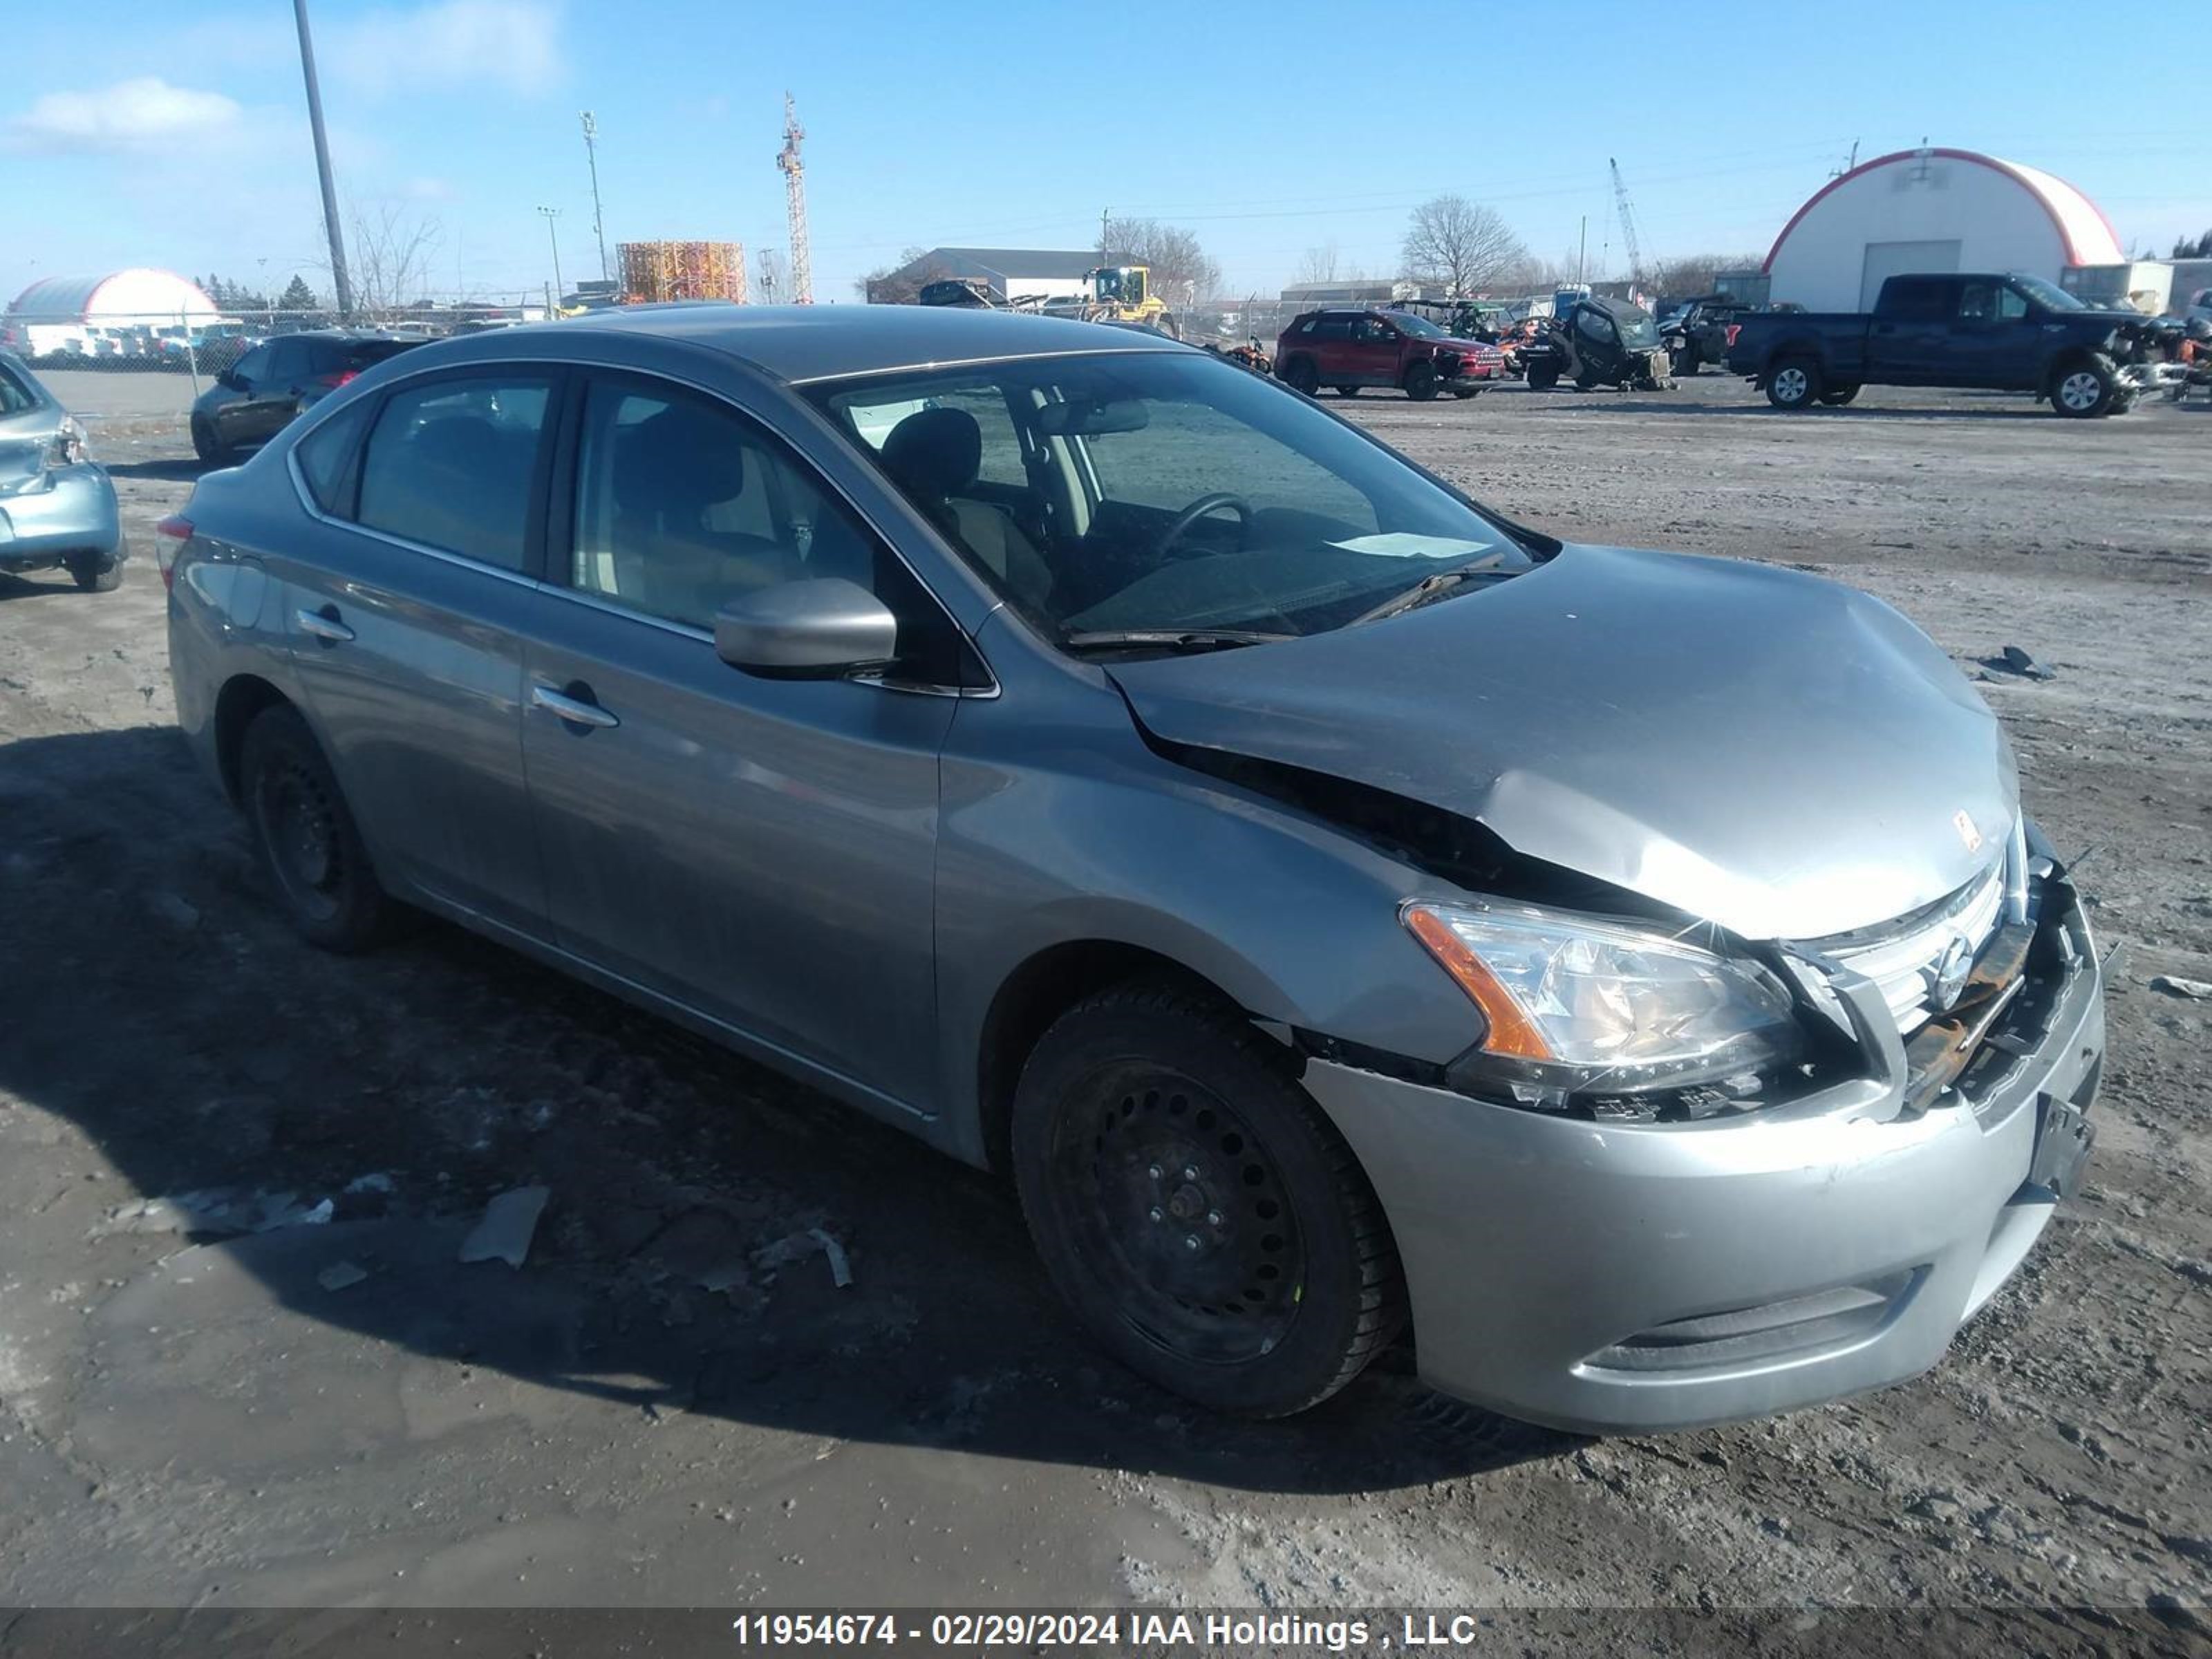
1511 1030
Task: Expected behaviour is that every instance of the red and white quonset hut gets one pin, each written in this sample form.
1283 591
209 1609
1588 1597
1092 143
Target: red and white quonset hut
96 314
1932 210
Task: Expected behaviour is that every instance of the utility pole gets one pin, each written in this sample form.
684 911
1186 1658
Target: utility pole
554 236
339 279
1582 253
591 157
1104 252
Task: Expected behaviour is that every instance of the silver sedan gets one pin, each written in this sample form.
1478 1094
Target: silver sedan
58 508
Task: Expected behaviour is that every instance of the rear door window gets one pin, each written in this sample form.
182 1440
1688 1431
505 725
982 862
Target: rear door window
453 464
1910 301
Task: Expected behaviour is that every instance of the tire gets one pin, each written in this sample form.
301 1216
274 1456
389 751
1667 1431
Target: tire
306 839
1347 391
1421 382
95 574
1470 391
1300 376
1542 377
1684 362
206 445
1794 384
1196 1209
1837 397
2085 389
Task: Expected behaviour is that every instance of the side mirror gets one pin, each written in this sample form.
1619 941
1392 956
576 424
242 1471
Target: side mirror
818 629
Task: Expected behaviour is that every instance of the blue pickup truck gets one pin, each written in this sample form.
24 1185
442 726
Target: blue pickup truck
2003 332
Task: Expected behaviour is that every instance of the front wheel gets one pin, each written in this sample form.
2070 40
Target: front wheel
1196 1209
1684 362
206 445
306 837
2084 391
1301 376
1421 382
1795 385
1542 377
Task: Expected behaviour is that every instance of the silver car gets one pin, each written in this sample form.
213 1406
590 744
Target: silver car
57 509
1342 910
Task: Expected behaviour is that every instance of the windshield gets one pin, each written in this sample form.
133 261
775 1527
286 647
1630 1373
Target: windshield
1161 492
2049 296
1420 327
1637 332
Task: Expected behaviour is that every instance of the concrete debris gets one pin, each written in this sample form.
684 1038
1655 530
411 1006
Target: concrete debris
340 1276
2196 989
796 1247
219 1212
2014 661
510 1221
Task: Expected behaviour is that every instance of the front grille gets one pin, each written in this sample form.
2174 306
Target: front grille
1905 958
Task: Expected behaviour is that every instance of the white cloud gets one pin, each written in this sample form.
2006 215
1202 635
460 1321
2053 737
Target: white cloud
508 43
135 114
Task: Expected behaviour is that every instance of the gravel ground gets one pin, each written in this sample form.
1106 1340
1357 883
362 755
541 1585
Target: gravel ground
674 1402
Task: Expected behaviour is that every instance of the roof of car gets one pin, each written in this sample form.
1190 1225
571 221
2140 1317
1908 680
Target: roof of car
821 343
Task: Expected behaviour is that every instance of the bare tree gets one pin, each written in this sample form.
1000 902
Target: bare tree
1461 245
390 256
1689 275
1319 264
1181 268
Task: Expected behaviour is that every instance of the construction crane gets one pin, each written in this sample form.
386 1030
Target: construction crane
1627 226
794 199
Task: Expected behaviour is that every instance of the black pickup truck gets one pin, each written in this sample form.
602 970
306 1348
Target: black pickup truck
2001 332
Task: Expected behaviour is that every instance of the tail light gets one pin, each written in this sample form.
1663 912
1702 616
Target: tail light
334 381
170 536
1733 329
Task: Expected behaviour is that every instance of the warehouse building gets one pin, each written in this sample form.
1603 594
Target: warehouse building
1932 211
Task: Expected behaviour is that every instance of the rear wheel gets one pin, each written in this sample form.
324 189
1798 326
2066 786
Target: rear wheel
1542 377
1300 376
206 445
306 837
96 573
1196 1209
1685 362
1836 397
1421 382
1794 384
2083 391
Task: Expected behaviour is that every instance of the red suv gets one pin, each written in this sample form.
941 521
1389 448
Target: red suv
1351 348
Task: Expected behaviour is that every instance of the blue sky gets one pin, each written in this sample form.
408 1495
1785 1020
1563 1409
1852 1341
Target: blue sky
179 137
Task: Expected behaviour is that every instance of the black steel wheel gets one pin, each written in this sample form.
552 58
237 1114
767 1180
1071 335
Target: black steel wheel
95 573
1421 382
1196 1208
306 837
206 445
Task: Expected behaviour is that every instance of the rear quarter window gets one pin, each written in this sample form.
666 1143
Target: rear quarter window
326 454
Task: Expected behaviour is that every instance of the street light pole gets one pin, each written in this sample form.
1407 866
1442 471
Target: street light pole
554 237
592 155
339 279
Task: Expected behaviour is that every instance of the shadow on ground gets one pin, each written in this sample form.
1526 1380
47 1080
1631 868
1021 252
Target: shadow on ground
158 1003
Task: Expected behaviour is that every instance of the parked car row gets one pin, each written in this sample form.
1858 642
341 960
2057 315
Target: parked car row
276 381
1334 905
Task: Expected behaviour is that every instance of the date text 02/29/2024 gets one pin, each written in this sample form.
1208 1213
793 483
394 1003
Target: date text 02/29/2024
968 1630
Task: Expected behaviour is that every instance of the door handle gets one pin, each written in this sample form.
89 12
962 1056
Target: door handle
577 711
323 624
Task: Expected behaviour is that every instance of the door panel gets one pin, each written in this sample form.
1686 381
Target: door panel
762 850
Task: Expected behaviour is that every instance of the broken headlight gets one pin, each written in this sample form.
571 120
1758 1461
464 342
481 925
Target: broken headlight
1590 1006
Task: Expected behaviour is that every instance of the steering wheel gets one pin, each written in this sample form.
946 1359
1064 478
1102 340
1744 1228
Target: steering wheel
1198 508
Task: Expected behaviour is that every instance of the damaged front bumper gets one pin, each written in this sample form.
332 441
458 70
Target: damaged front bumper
69 512
1610 1278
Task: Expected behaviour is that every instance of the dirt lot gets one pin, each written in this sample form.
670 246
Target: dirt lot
194 1414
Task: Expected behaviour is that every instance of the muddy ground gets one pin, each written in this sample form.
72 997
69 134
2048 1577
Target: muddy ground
674 1402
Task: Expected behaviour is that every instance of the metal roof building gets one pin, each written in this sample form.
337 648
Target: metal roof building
1932 211
121 297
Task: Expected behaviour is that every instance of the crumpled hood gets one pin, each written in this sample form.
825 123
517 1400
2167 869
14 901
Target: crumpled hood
1766 749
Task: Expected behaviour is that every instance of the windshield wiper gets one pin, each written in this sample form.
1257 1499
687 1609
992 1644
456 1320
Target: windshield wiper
1429 587
1171 639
